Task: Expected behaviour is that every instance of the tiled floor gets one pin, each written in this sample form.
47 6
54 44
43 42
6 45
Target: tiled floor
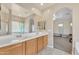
52 51
62 44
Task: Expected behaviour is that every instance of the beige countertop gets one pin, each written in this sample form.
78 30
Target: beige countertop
19 38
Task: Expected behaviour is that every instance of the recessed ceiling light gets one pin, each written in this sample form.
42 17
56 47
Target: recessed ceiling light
41 4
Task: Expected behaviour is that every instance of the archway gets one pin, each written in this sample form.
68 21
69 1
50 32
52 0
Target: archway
62 29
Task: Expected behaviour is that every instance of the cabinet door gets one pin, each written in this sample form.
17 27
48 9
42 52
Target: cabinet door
40 43
17 49
45 41
31 47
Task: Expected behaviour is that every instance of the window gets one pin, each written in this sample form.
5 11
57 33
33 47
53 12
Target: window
60 25
60 28
21 27
17 26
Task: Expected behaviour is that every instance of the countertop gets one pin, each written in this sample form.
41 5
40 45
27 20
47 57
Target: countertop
19 38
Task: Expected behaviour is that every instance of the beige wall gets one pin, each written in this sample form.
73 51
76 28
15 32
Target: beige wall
49 26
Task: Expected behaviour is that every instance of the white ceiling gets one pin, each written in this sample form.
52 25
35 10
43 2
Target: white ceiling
19 11
36 5
63 15
16 9
25 9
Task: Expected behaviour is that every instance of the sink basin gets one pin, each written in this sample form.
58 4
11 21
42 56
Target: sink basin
28 35
14 41
5 41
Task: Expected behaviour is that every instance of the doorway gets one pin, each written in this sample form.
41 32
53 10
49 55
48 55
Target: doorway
62 29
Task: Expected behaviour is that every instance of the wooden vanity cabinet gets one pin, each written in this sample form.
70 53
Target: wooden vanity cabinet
45 41
34 46
40 43
17 49
31 47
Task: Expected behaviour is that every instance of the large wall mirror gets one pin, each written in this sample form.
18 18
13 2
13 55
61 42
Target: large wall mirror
18 24
4 20
41 25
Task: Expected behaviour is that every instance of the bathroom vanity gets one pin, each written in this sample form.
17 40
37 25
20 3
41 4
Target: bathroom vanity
26 44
